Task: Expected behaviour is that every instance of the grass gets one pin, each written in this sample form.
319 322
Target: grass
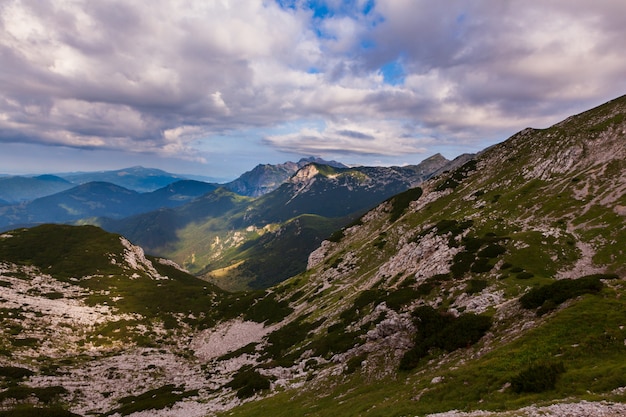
586 337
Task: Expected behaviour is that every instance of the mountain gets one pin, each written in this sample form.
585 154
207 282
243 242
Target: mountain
496 286
137 178
18 189
265 178
99 199
495 289
256 243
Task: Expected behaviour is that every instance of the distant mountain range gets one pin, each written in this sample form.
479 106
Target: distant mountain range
98 199
252 232
19 189
261 180
240 242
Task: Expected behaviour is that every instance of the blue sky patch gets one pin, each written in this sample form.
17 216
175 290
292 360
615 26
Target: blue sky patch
393 72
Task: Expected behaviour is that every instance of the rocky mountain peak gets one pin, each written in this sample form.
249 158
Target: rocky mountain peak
305 174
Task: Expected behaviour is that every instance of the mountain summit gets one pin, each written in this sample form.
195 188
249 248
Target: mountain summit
265 178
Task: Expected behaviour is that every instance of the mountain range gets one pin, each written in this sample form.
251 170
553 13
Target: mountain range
240 243
494 288
239 240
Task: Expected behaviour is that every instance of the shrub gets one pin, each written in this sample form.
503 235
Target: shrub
463 331
443 331
425 288
452 226
492 251
285 338
354 363
461 264
475 286
458 175
155 399
399 298
336 236
268 310
336 342
20 392
538 377
31 411
525 275
247 382
560 291
401 202
481 265
15 372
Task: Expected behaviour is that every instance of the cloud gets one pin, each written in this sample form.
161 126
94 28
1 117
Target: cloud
386 77
384 138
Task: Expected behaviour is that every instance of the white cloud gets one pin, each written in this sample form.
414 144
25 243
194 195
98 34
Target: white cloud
367 137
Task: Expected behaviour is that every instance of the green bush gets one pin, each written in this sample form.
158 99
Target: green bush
20 392
281 341
336 236
552 295
31 411
443 331
247 382
475 286
336 342
268 310
354 363
525 275
425 288
15 372
492 251
481 265
401 202
399 298
454 227
461 332
538 377
461 264
457 176
156 399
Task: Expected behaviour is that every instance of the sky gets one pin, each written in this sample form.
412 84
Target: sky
215 87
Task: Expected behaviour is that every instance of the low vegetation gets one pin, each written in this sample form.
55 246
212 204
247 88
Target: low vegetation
548 297
437 330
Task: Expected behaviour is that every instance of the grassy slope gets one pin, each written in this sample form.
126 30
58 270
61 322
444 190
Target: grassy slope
593 356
